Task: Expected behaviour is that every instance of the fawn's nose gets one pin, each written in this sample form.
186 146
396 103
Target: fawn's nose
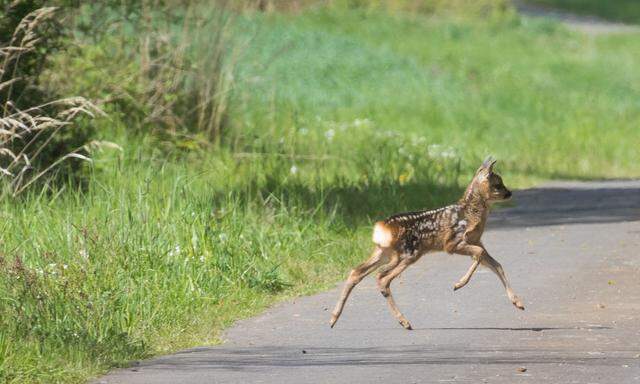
508 195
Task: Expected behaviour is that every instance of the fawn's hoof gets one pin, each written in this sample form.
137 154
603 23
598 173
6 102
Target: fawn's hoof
518 303
333 320
406 325
458 286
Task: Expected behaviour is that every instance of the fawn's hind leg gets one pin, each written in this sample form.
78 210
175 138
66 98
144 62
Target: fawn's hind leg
356 275
384 272
394 259
384 283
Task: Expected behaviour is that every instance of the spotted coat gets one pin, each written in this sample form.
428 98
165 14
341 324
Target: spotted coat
429 230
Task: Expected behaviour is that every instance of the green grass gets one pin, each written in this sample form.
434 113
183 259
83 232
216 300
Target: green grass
157 253
617 10
338 119
543 100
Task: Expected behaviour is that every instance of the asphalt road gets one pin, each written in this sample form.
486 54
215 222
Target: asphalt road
570 251
589 25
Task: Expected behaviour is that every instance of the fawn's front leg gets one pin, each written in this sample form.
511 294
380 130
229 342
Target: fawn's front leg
493 264
481 256
476 252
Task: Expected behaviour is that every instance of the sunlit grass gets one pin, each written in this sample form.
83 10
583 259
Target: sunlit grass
542 99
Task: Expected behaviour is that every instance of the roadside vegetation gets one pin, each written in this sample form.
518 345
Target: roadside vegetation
228 155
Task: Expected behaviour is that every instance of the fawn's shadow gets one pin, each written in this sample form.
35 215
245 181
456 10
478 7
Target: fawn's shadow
267 357
531 329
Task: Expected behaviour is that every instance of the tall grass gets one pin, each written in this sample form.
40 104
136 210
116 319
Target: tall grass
176 69
159 254
27 132
189 72
465 8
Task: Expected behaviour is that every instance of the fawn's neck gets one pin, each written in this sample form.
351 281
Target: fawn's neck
475 207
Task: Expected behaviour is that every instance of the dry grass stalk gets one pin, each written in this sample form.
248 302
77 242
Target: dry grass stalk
190 76
25 133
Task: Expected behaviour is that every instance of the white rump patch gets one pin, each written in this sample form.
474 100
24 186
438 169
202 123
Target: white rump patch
382 235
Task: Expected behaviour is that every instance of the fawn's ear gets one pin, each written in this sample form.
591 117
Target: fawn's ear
488 164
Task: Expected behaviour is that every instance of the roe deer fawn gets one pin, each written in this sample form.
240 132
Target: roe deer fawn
402 239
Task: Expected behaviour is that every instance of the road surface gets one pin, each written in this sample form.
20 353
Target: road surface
589 25
570 251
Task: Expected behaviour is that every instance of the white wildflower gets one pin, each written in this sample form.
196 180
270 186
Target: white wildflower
293 169
175 251
437 150
329 134
418 141
389 134
448 153
361 122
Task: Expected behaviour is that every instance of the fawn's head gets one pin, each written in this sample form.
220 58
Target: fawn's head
488 184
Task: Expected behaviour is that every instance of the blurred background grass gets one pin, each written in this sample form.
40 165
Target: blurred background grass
258 142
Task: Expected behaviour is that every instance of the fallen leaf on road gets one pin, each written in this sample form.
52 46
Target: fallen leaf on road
522 369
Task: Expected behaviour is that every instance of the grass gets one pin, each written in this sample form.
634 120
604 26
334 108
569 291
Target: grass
156 255
537 96
337 119
618 10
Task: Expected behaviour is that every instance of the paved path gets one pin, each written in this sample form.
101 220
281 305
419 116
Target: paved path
570 250
588 24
